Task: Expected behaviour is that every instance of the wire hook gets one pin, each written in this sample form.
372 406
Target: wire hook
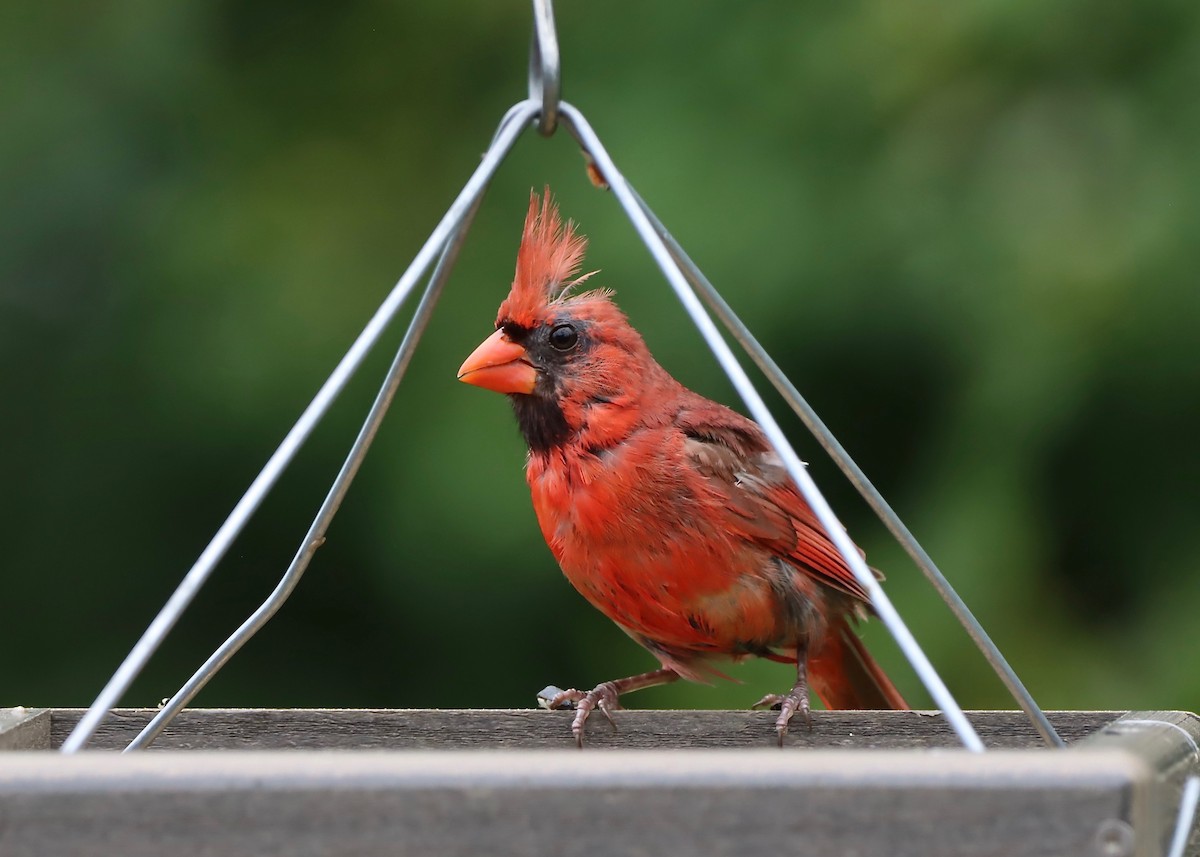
545 79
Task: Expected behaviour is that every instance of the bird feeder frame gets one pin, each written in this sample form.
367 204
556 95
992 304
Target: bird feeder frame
1127 785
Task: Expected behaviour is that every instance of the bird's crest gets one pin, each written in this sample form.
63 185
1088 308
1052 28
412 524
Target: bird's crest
547 263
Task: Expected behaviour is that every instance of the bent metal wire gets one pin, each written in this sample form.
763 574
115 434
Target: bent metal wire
315 536
1186 817
545 108
517 119
887 613
857 478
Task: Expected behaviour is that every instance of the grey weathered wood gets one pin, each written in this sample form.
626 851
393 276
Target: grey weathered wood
24 728
1112 794
539 802
275 729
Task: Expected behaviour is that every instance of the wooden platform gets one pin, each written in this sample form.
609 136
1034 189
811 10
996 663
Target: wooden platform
367 782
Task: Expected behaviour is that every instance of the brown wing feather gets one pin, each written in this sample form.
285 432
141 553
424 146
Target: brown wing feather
732 453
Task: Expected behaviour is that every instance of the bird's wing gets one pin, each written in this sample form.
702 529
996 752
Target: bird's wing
734 458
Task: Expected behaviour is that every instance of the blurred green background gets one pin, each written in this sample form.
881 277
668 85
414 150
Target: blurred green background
966 230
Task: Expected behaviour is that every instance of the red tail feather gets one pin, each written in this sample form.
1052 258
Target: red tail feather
845 676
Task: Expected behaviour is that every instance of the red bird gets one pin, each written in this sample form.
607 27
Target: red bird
670 513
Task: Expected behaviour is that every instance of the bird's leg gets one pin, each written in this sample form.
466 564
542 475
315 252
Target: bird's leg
603 696
795 700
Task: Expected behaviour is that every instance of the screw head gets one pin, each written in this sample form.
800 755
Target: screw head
1114 838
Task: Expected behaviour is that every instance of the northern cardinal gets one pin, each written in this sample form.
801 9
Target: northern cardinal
669 512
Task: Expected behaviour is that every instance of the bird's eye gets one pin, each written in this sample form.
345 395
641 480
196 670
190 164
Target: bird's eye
563 337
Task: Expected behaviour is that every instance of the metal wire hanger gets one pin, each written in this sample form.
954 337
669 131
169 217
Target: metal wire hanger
544 108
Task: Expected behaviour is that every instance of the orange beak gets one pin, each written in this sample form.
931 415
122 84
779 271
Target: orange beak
499 364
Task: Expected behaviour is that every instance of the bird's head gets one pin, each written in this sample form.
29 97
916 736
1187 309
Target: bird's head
560 356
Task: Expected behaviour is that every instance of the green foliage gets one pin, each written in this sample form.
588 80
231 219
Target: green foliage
967 231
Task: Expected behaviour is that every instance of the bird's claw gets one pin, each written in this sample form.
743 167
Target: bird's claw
773 701
603 696
795 701
787 704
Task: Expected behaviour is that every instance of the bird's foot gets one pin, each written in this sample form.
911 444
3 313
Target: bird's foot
604 696
787 704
